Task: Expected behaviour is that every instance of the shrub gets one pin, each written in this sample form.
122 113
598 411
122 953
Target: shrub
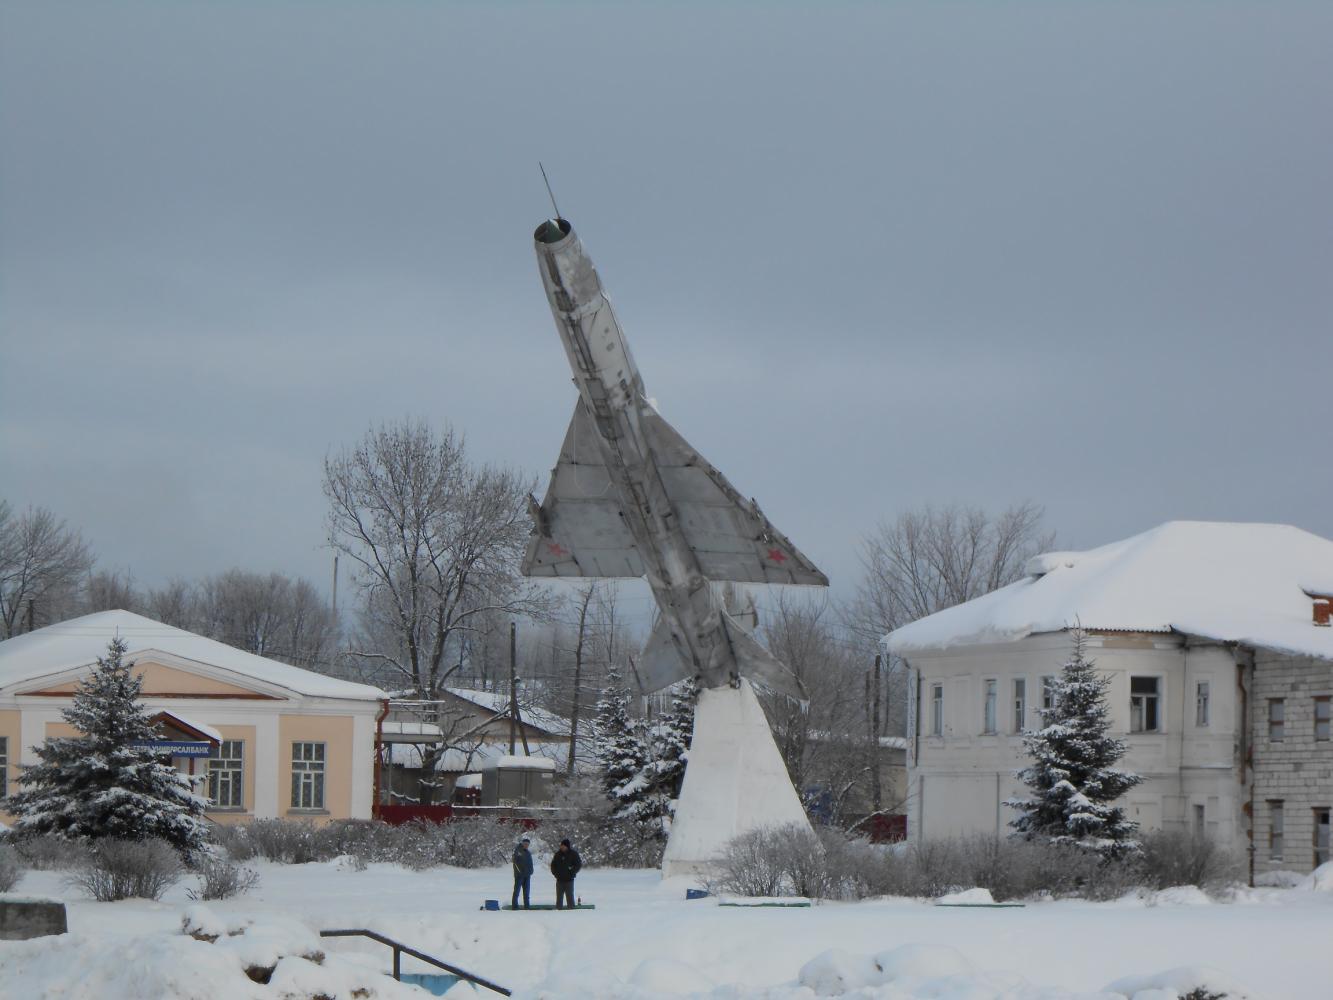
10 872
221 879
751 865
125 869
1173 857
50 852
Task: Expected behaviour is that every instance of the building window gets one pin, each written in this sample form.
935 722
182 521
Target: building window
992 697
225 767
1321 718
1320 837
1199 818
1277 714
937 709
1020 703
1047 693
1275 829
1143 698
1201 692
307 775
4 766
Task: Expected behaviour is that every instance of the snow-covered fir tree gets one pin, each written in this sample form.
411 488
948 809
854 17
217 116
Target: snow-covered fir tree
1071 776
618 742
107 782
667 747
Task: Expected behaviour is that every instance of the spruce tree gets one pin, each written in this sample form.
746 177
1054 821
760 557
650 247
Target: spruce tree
108 782
666 750
618 743
1072 778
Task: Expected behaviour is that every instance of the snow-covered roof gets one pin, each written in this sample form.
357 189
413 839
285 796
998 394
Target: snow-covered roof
188 723
1244 583
513 762
498 702
80 641
411 732
484 755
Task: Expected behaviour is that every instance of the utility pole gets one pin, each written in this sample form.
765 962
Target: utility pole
513 683
876 792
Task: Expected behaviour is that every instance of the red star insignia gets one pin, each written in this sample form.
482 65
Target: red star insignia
556 549
777 556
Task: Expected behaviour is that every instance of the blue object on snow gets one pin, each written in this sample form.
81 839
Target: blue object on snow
695 893
492 904
436 984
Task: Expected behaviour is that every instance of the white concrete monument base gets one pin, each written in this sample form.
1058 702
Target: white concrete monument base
735 781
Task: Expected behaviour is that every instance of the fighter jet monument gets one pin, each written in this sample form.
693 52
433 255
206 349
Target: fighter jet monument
629 497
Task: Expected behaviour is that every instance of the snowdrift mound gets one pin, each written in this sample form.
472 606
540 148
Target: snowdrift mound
1319 880
210 959
909 972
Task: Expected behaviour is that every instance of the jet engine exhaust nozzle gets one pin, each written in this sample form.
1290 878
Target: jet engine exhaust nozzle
552 231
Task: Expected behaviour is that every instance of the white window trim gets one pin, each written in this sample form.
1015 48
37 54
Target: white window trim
1159 700
237 782
304 767
990 706
937 709
1020 704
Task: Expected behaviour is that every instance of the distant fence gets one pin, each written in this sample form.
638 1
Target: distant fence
397 815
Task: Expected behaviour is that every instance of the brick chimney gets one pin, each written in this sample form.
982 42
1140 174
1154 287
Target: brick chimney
1322 612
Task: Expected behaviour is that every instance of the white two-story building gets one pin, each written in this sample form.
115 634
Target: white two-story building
1215 640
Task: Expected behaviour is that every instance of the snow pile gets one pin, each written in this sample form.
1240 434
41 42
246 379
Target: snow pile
1319 880
212 958
1177 982
968 897
909 972
1180 895
1248 583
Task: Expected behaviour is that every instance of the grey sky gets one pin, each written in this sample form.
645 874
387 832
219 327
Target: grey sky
867 255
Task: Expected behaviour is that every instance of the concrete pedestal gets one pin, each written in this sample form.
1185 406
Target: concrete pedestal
735 781
21 919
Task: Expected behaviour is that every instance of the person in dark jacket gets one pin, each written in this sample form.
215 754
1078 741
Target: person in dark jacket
522 872
565 864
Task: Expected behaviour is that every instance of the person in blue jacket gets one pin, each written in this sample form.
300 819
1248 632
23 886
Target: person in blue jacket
522 873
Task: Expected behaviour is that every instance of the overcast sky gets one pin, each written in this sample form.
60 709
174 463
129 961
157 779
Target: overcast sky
866 255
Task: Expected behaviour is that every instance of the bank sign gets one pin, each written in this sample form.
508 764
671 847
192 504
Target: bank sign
176 748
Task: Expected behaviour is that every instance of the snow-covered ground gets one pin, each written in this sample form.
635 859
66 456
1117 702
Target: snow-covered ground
645 940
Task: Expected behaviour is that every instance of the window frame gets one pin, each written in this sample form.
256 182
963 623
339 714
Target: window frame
1020 689
1277 829
309 773
1138 714
1322 852
1326 703
1277 720
990 706
1047 692
4 767
1203 709
232 778
937 709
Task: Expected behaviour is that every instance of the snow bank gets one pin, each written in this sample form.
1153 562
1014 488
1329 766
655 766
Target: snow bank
968 897
1319 880
1180 895
1176 982
207 960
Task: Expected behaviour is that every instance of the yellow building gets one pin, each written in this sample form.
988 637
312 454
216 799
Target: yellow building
263 738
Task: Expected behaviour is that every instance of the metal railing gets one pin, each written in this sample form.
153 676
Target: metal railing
400 949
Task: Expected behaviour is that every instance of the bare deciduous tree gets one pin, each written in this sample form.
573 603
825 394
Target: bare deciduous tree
43 566
436 541
270 615
932 558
